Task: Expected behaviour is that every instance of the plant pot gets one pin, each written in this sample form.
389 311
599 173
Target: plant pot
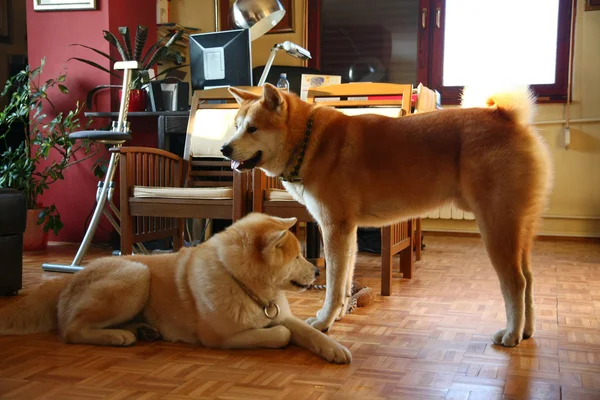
138 99
34 237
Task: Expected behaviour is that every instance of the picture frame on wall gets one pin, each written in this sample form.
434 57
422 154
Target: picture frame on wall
4 21
53 5
591 5
286 25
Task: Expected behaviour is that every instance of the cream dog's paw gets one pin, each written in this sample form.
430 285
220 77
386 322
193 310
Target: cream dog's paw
506 338
335 353
122 338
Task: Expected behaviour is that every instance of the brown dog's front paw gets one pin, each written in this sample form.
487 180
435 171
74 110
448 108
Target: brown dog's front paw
506 338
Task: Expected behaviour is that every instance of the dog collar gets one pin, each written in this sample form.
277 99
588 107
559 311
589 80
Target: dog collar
266 307
294 176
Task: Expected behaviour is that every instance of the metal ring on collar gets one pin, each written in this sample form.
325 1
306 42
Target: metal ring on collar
266 310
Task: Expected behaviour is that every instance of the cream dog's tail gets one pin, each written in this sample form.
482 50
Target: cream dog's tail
36 313
518 101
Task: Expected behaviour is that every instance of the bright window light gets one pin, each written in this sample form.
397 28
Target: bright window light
513 40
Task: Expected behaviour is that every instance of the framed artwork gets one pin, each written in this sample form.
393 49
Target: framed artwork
4 21
592 5
286 25
52 5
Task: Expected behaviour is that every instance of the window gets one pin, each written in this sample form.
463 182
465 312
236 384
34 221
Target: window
468 41
457 42
362 42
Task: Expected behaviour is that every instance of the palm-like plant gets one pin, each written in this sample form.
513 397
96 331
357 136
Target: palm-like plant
158 52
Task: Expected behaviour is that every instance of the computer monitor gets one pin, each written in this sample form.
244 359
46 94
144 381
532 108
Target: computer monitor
220 59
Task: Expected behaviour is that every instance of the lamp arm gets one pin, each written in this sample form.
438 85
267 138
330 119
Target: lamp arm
269 63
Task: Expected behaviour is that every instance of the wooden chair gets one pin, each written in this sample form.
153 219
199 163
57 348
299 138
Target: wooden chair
391 100
159 189
270 197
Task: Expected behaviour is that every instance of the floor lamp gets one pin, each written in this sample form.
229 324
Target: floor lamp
260 16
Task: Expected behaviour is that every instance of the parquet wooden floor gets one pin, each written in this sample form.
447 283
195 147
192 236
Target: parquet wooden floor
430 340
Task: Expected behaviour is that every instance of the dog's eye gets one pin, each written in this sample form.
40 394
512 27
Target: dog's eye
252 129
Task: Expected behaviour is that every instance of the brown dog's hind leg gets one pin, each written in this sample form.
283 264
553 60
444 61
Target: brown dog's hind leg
527 241
501 235
107 293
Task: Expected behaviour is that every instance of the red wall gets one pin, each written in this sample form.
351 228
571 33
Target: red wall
48 35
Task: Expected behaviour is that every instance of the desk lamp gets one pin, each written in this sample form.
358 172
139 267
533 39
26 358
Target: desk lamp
260 16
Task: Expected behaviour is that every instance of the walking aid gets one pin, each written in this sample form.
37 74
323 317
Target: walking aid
118 135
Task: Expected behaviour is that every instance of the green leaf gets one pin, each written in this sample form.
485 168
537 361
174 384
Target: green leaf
112 39
95 65
103 54
63 89
158 54
124 31
141 35
174 38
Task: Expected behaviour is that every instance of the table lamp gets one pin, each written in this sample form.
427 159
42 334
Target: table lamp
260 16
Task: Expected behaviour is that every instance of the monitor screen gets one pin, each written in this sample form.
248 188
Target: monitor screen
220 59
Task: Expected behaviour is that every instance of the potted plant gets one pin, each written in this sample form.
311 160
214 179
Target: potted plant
39 157
159 52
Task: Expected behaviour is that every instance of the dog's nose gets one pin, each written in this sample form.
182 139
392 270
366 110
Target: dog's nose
317 272
227 150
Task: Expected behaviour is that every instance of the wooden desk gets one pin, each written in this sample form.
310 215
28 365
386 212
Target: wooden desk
115 114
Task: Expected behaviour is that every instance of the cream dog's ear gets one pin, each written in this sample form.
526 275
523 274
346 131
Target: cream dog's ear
242 96
275 240
272 97
287 222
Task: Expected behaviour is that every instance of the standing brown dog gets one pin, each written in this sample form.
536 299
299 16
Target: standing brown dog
371 170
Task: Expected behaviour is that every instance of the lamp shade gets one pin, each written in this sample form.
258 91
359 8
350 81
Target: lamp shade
260 16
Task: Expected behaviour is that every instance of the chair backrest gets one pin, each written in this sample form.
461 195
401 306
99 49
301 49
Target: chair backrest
355 98
211 124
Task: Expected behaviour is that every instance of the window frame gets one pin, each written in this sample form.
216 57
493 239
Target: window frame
431 54
430 50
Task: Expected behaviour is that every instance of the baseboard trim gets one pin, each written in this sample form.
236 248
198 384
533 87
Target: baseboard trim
545 238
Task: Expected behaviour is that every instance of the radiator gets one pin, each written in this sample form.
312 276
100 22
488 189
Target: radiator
449 212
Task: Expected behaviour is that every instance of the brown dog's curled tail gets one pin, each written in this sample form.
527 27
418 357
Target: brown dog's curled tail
36 313
518 101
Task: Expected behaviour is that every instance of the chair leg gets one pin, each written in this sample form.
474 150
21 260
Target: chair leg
418 239
386 261
126 235
406 255
295 229
178 239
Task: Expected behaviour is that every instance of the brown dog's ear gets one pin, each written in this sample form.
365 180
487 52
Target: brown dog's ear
242 96
272 97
